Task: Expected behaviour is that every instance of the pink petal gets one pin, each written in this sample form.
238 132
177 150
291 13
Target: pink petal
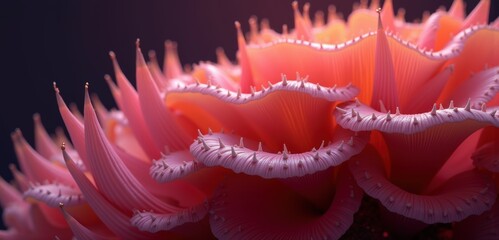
8 194
410 123
457 9
387 16
254 116
36 167
246 72
428 36
384 85
154 222
479 88
162 124
111 175
431 89
248 207
156 72
171 65
44 145
130 106
54 194
74 127
115 91
113 218
465 194
173 166
302 28
81 232
479 15
477 43
362 21
458 162
414 140
217 150
289 56
20 179
214 74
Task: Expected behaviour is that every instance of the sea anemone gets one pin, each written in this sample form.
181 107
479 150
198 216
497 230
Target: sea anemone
245 151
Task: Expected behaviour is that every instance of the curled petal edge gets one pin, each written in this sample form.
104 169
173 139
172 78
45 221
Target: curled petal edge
468 193
218 149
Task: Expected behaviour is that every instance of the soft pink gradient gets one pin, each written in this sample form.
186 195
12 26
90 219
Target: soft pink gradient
308 127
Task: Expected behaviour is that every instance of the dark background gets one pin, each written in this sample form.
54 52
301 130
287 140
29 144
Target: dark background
68 42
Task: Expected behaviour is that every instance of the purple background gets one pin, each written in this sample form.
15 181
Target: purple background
68 42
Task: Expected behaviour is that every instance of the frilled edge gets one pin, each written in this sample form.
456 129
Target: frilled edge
155 222
172 166
293 112
468 193
484 226
248 207
359 117
229 151
480 88
55 194
298 85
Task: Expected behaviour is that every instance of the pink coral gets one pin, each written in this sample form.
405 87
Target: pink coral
245 151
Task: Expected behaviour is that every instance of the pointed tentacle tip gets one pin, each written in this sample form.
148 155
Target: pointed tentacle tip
237 24
137 43
56 89
112 55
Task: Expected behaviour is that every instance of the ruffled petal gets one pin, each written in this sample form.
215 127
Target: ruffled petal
54 194
154 222
209 73
466 194
332 64
173 166
220 149
479 42
414 140
278 213
294 104
479 88
410 123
